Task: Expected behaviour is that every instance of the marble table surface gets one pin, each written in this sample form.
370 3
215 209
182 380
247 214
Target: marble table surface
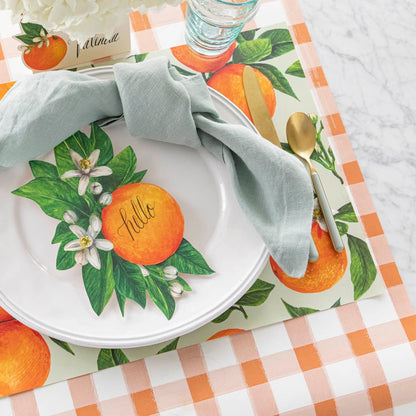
369 59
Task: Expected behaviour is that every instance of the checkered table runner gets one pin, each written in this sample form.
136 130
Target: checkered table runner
357 359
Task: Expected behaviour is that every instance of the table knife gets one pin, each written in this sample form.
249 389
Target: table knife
264 124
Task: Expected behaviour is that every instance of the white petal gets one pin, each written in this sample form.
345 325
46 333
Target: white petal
81 258
83 184
95 226
93 257
77 230
103 244
73 245
71 174
93 157
70 217
76 157
100 171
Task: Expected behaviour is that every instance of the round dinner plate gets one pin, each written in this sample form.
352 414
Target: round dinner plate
55 302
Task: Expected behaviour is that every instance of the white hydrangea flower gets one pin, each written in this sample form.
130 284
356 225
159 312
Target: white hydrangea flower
86 169
87 243
80 19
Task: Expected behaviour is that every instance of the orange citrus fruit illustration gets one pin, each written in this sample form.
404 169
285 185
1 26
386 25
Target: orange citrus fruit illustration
320 275
5 87
4 316
25 359
188 57
225 332
144 223
229 82
47 56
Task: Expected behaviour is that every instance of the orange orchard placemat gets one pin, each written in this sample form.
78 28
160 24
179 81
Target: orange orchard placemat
335 279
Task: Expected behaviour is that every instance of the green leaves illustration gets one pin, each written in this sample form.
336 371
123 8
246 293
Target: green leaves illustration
79 228
255 296
110 358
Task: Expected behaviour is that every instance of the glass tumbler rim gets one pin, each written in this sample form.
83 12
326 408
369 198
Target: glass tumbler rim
232 4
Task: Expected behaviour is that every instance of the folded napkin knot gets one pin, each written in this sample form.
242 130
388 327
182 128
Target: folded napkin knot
158 103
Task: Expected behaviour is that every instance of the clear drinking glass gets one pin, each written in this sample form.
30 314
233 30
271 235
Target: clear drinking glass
212 25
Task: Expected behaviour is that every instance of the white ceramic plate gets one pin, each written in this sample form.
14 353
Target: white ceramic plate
55 302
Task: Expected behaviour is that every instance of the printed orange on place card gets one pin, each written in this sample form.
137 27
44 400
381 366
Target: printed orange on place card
43 50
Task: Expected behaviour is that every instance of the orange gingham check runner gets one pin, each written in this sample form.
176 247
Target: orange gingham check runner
357 359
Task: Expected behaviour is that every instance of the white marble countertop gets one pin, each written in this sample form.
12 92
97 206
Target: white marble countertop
368 55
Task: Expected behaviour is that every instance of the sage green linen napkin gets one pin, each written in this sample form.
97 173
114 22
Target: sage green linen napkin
158 103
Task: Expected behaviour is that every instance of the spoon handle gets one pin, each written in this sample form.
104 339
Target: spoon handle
326 210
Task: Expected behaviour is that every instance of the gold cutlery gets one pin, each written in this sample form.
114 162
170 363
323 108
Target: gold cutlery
264 124
301 136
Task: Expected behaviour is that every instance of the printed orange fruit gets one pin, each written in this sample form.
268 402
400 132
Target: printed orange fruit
4 316
191 59
4 88
320 275
229 82
144 223
226 332
47 56
25 359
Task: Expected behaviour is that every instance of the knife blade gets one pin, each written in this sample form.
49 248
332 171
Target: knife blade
258 107
264 124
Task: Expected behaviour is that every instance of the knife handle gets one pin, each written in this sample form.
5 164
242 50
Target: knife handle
313 251
326 210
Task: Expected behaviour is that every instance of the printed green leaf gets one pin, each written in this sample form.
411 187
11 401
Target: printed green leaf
252 51
296 70
26 39
123 166
173 345
62 233
346 213
141 57
65 259
137 177
337 303
63 345
110 358
99 284
42 169
188 260
129 280
223 317
342 227
295 312
280 40
33 29
184 284
257 294
278 80
363 270
158 289
247 35
121 300
100 140
54 197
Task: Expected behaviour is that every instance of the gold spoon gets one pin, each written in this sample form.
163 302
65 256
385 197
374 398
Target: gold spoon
301 136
